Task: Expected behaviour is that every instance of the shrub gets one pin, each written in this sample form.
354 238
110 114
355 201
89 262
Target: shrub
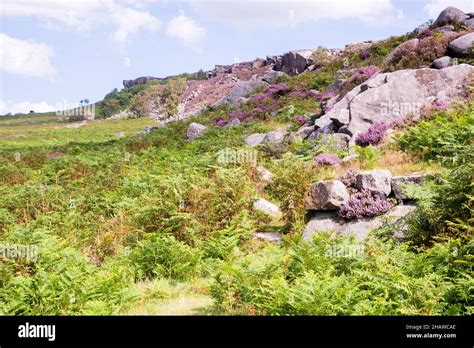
372 136
300 120
324 159
364 204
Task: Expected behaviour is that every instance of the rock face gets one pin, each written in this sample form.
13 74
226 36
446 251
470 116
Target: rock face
463 46
442 62
255 139
450 15
326 195
376 181
387 96
195 130
294 62
329 222
399 181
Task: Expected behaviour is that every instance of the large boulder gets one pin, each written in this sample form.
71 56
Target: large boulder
294 62
326 195
398 183
275 137
255 139
450 15
469 23
195 130
330 222
463 46
376 181
388 96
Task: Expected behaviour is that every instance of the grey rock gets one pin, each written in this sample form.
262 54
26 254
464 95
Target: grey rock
273 237
330 222
295 62
119 134
469 23
273 76
450 15
301 133
195 130
255 139
333 142
442 62
241 90
386 96
463 45
265 175
376 181
275 137
268 208
233 123
399 181
326 195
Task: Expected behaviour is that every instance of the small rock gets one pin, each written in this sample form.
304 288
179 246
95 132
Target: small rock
275 137
399 181
267 208
255 139
273 237
233 123
265 175
442 62
273 76
326 195
119 134
333 142
376 181
195 130
55 155
301 133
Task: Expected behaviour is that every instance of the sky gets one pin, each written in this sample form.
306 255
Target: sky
54 53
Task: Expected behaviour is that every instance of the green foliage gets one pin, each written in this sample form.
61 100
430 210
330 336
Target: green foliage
308 279
368 155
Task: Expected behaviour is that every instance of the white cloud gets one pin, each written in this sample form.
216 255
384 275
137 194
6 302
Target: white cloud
25 57
187 30
433 8
271 13
24 107
84 15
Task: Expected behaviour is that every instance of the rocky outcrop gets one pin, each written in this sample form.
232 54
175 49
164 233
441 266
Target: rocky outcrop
450 15
326 195
195 130
293 62
409 45
330 222
463 46
388 96
242 90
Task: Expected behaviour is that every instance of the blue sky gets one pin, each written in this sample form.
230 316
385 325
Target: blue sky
55 53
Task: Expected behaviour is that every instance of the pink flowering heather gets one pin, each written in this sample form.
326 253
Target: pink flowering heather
275 90
324 159
364 54
424 33
349 178
241 115
325 96
363 74
372 136
364 204
441 104
220 123
300 119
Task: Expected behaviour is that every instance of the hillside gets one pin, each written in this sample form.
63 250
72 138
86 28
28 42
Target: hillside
318 182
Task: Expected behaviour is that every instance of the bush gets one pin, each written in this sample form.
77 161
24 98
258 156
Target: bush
364 204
